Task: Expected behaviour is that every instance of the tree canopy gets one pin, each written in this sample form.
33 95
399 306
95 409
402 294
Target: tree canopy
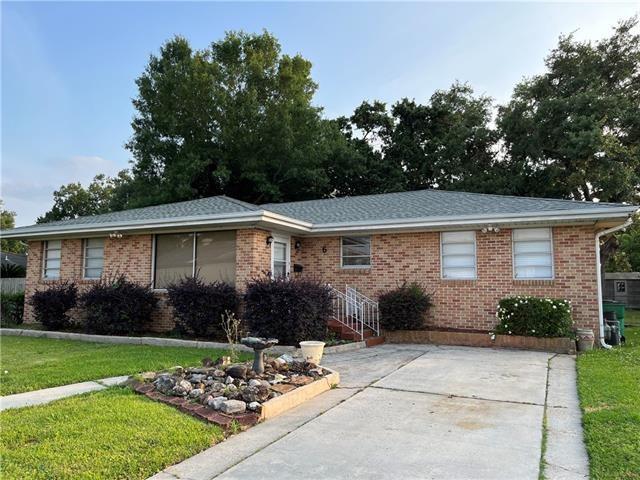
574 131
7 222
238 118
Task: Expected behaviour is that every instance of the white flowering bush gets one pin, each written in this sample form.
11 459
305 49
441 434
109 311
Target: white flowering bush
534 317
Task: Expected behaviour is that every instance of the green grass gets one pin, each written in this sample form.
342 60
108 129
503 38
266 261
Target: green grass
609 387
33 363
110 434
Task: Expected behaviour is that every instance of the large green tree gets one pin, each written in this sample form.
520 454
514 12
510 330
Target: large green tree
236 118
7 222
574 131
102 195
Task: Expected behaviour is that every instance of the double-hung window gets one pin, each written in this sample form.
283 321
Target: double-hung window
209 255
356 252
458 255
51 259
93 257
532 253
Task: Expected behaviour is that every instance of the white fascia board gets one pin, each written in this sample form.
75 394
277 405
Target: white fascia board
231 220
434 223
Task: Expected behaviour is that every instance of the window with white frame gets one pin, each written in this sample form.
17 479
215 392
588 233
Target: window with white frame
280 253
532 253
458 255
210 255
51 259
356 252
93 257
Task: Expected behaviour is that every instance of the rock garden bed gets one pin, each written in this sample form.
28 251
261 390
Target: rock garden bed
233 395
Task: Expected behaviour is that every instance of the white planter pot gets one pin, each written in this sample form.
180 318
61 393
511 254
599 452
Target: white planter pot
312 351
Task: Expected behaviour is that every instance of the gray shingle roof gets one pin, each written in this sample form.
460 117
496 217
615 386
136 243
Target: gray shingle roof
210 206
422 204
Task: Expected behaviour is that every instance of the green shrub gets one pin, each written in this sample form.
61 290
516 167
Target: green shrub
199 306
404 308
11 309
50 306
534 317
117 306
291 310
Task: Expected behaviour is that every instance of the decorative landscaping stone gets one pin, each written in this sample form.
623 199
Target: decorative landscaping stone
216 402
197 378
300 380
236 393
233 406
165 383
237 371
195 393
182 388
282 388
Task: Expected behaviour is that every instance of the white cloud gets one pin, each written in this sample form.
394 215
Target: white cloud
30 194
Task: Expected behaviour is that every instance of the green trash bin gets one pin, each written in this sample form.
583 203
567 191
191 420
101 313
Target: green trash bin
612 306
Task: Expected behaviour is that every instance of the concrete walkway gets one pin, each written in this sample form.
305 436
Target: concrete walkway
39 397
416 411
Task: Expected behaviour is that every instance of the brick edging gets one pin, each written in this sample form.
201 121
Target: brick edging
161 342
555 345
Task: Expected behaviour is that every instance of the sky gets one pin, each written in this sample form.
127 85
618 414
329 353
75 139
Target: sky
69 69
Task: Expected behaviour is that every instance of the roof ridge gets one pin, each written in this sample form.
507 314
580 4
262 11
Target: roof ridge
242 203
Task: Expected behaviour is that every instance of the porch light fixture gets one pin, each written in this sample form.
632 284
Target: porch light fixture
269 240
298 245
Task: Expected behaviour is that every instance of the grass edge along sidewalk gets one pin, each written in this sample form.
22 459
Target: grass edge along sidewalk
608 384
113 433
28 364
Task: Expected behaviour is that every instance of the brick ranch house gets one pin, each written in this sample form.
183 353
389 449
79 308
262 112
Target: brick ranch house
471 250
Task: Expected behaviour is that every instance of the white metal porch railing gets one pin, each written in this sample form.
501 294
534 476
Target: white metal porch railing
356 311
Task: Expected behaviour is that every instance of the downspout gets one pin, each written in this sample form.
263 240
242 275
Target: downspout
599 235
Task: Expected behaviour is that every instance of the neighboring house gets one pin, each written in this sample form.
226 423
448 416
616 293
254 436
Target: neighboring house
13 259
623 287
470 250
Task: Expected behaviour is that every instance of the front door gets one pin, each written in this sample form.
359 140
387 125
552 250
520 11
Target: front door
280 256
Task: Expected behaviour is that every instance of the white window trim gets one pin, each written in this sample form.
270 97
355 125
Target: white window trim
513 256
475 259
287 241
357 267
45 249
84 260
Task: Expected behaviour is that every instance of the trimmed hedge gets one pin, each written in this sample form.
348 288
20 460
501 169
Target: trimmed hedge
404 308
534 317
11 309
117 306
199 306
50 306
291 310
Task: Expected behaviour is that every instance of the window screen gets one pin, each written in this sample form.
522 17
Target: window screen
52 255
458 255
532 253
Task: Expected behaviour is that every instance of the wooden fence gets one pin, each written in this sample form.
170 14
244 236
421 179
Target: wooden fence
12 285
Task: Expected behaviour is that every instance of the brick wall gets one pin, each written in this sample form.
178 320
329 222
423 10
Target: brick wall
468 304
463 304
132 255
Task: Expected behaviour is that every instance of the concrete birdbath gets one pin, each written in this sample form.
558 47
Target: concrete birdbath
258 345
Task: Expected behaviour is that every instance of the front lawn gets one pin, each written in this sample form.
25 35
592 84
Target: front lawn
609 387
110 434
33 363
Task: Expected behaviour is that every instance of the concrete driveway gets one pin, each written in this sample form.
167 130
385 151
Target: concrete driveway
416 411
